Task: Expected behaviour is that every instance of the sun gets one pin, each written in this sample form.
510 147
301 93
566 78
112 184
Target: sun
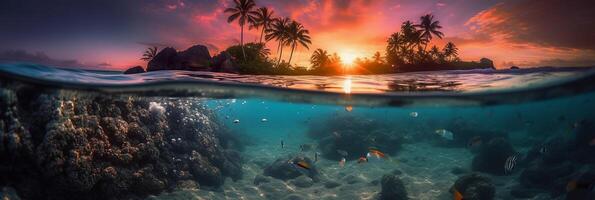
348 58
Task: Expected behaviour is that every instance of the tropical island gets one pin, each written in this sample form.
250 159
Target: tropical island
407 50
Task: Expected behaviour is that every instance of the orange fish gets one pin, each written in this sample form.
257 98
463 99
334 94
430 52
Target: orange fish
348 108
377 153
362 159
342 162
458 195
575 185
303 164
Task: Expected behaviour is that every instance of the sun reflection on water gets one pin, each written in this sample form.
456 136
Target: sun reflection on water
347 85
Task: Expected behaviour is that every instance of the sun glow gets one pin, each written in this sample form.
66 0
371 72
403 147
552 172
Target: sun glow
348 58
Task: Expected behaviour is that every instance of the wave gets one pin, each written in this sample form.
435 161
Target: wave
438 88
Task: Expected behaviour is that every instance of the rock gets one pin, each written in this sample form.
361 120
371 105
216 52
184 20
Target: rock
458 171
187 185
223 63
8 193
283 168
164 60
397 172
352 179
487 63
194 58
392 188
546 177
105 147
475 187
135 70
353 135
258 179
522 192
331 184
302 181
293 197
492 156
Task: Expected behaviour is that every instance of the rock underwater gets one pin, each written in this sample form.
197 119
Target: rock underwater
56 145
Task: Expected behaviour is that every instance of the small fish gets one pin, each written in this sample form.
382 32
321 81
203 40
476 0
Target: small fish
301 147
342 153
302 164
348 108
474 142
336 134
575 185
264 120
362 159
282 144
458 195
342 162
315 156
236 121
510 163
445 134
543 149
414 114
376 153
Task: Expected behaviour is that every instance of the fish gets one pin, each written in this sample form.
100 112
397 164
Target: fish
543 149
342 153
576 185
236 121
282 144
458 195
342 162
445 134
474 142
376 153
510 163
301 147
414 114
336 134
362 159
348 108
302 166
315 156
264 120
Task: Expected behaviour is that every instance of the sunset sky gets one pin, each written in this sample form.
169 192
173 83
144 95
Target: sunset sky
110 34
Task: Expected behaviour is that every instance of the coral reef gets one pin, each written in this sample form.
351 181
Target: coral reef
492 156
354 136
59 144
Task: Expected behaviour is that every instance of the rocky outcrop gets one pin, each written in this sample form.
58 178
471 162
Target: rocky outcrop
223 63
354 136
283 168
475 187
195 58
492 156
135 70
59 145
392 188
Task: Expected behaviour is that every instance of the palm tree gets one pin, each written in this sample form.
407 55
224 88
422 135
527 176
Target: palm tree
319 58
297 35
429 28
243 12
150 53
278 31
450 50
377 57
435 54
263 20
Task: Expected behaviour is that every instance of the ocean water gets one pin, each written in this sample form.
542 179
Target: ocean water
480 134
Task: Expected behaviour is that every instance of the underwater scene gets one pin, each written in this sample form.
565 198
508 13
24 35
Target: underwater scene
516 134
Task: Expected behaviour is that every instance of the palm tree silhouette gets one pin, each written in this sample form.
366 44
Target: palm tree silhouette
450 50
243 12
278 31
297 35
377 57
150 53
319 58
263 19
429 28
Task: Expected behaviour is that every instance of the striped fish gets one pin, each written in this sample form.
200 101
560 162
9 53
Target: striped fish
510 163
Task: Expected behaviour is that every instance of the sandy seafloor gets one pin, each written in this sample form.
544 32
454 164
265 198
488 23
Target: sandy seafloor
425 171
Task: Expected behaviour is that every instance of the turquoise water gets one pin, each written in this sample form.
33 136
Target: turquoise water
222 136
